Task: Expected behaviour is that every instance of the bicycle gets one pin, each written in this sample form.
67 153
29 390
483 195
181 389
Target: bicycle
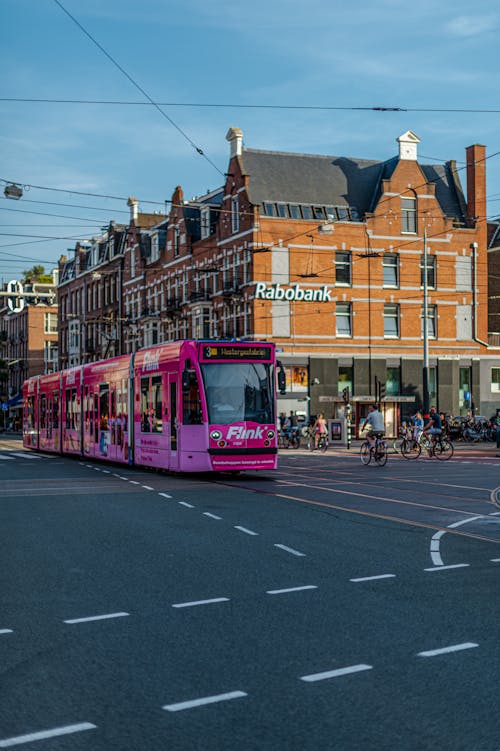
442 449
321 445
378 452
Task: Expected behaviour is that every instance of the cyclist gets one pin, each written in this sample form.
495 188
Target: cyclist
418 425
376 420
319 428
434 427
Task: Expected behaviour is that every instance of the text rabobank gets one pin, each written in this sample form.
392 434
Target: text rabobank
294 292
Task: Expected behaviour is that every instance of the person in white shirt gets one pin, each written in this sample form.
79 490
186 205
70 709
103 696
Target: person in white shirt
376 420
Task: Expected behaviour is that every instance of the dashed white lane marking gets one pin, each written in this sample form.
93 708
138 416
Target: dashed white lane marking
335 673
495 560
246 531
97 618
212 516
43 734
446 650
290 589
200 602
147 487
134 482
373 578
186 504
6 458
165 495
204 700
107 471
289 550
6 631
445 568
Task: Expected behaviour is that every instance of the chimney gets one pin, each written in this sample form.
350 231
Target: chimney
476 185
133 203
235 138
408 146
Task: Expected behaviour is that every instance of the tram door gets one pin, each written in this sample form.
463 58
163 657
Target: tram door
172 421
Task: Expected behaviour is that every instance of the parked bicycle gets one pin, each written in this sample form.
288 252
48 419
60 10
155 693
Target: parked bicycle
289 439
378 452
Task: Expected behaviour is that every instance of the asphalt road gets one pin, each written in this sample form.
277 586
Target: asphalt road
328 606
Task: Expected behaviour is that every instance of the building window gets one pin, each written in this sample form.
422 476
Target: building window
177 237
204 223
409 215
391 321
50 323
295 211
342 268
346 379
464 389
393 381
495 380
390 263
343 319
431 272
283 210
431 322
307 212
235 214
270 209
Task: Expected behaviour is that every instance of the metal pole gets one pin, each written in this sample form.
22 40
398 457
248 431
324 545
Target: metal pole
425 374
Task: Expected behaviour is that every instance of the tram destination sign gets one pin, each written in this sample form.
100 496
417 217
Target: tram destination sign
235 352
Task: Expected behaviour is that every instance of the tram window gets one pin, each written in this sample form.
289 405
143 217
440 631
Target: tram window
70 409
31 412
104 405
156 403
55 410
191 402
43 412
125 404
145 415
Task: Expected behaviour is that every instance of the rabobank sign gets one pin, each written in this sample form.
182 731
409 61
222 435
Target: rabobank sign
265 291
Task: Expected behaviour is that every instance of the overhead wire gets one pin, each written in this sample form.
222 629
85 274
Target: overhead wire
127 75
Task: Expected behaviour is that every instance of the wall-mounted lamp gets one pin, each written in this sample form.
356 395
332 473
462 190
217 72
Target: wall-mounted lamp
327 228
315 382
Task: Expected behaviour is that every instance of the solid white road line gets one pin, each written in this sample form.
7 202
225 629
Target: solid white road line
373 578
97 618
212 516
204 700
6 631
165 495
187 505
200 602
26 455
288 550
335 673
246 531
435 540
446 650
290 589
444 568
43 734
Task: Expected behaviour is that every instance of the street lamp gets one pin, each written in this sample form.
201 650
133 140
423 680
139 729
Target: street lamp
425 373
13 191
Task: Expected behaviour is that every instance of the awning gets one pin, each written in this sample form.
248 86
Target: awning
15 401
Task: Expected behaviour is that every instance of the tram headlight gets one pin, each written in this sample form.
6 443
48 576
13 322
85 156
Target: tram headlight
215 435
270 434
221 444
266 442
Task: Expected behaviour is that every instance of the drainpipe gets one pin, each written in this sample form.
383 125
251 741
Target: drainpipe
474 247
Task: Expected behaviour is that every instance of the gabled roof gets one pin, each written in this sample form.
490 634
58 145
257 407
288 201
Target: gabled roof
276 176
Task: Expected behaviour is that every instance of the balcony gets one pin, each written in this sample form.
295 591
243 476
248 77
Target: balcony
198 296
173 305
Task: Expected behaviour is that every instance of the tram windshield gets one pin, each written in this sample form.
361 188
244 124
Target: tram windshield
239 391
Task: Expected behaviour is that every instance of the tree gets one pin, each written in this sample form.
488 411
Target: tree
33 274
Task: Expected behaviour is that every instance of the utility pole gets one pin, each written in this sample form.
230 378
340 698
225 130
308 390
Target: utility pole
425 374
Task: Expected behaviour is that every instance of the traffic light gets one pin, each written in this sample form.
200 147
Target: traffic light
346 395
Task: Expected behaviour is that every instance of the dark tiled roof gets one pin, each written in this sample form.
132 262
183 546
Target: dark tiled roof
332 181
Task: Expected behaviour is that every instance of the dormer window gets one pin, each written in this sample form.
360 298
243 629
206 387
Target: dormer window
409 215
204 223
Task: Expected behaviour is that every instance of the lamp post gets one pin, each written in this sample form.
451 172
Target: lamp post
425 373
369 254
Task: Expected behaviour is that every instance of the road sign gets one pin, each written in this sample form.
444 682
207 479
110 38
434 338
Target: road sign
17 302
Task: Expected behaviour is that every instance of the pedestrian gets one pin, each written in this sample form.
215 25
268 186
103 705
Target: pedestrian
495 421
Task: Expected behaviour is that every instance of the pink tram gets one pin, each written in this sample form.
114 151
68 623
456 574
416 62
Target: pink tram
185 406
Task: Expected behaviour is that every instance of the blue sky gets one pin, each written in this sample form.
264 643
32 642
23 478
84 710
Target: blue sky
360 54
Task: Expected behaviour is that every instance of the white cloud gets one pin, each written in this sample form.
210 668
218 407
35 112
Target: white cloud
468 26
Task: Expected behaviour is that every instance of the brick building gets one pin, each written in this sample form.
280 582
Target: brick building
324 256
28 340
